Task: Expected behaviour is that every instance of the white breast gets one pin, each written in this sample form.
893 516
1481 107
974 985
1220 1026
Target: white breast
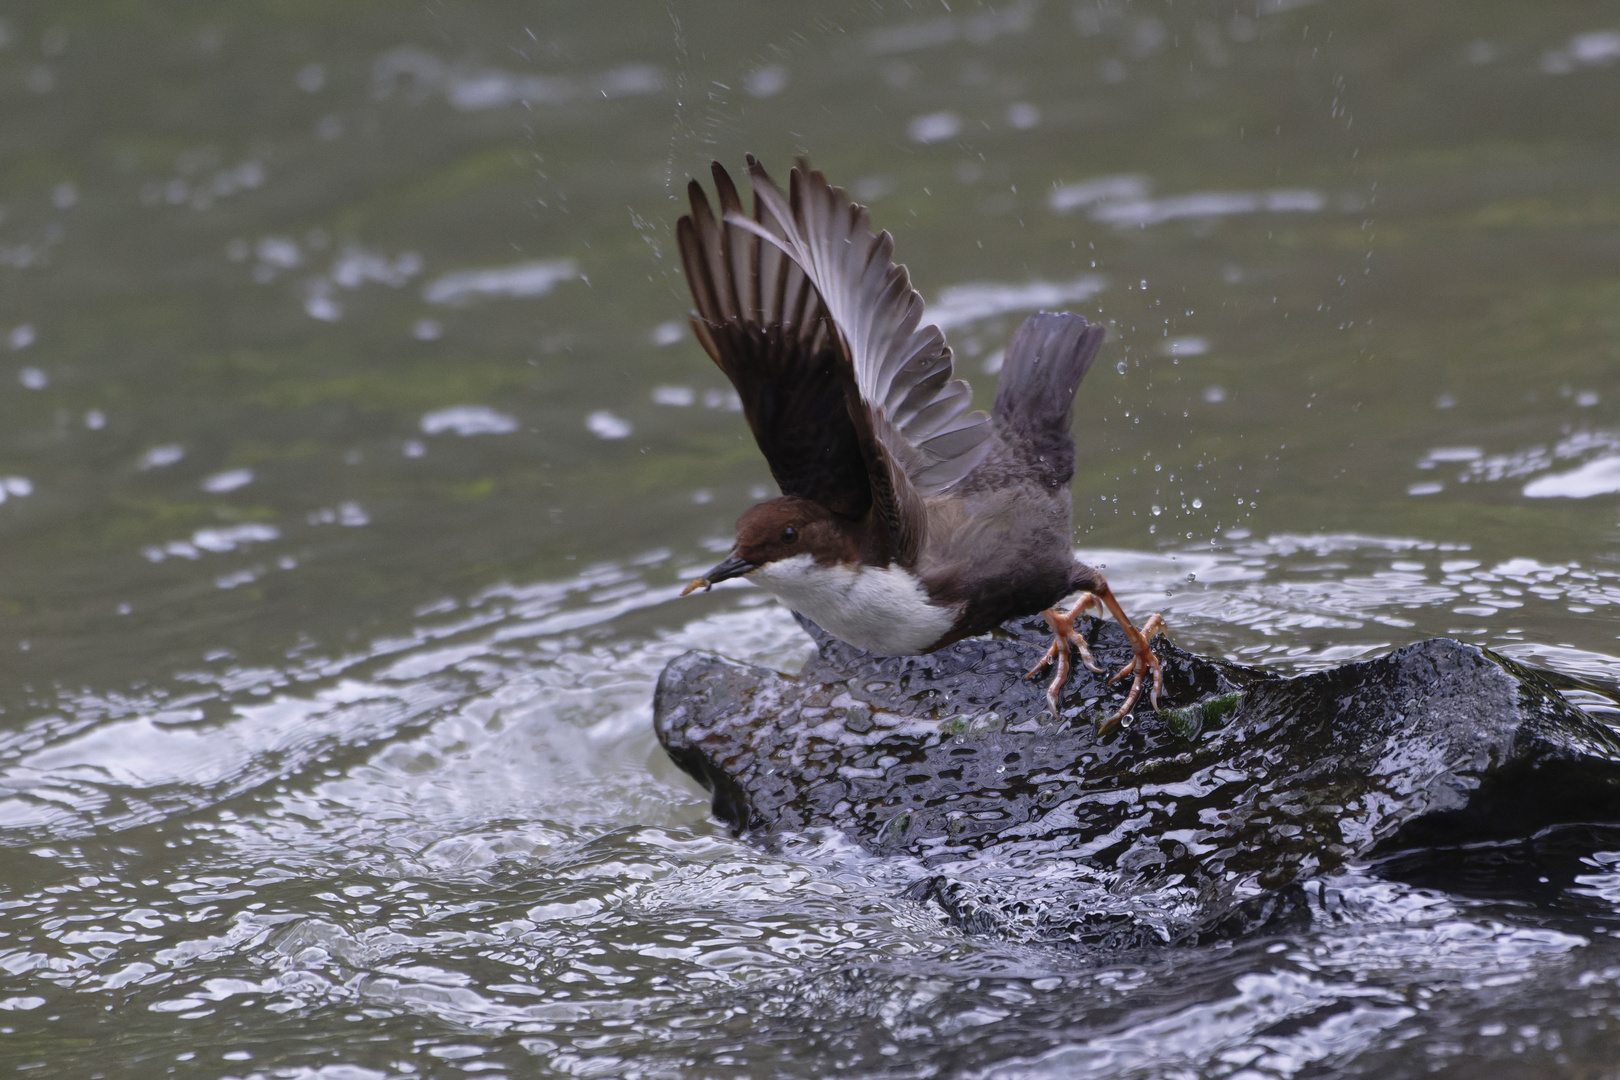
885 611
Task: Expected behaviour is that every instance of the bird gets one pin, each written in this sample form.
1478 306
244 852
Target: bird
906 521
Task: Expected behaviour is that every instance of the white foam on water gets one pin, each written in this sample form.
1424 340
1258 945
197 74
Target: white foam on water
606 425
468 420
1600 476
519 281
959 305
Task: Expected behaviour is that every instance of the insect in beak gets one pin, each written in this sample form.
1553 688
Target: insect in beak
732 566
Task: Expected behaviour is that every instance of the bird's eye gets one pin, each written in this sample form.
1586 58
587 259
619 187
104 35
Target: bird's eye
789 535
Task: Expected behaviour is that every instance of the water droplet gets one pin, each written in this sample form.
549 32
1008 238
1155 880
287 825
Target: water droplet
1120 367
1198 504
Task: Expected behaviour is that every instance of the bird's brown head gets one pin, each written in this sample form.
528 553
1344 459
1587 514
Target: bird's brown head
780 529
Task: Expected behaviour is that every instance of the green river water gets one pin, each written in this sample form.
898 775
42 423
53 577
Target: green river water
353 450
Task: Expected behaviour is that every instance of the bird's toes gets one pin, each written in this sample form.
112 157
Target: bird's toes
1084 650
1110 723
1054 688
1130 699
1135 663
1058 649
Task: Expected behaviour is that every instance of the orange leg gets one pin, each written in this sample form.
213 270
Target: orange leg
1140 663
1064 634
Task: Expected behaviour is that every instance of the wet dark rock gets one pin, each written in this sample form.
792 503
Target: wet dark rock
1175 827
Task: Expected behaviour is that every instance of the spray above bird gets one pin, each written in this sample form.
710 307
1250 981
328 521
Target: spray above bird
906 521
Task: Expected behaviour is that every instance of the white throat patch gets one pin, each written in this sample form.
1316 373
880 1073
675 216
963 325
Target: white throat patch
881 610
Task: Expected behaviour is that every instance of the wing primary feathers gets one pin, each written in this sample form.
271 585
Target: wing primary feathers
762 323
875 313
849 394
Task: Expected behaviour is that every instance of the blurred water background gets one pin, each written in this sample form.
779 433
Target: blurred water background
353 450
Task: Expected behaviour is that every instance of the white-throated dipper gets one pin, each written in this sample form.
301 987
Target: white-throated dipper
906 522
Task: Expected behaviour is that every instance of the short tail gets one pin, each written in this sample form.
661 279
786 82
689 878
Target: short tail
1035 393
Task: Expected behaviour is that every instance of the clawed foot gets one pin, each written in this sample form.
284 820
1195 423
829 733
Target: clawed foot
1064 634
1141 663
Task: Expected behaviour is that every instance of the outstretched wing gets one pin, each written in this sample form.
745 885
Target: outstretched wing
910 416
766 327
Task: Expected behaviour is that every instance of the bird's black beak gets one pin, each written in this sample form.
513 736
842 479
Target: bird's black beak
733 566
730 568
